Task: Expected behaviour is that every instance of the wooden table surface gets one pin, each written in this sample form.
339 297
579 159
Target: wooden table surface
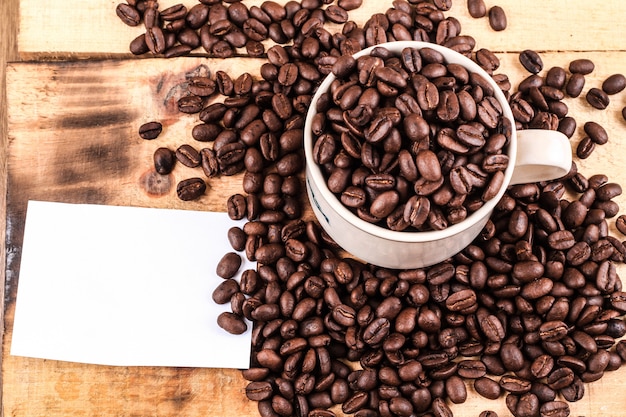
74 105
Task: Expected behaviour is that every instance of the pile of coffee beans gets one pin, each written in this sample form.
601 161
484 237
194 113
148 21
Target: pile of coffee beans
531 311
410 142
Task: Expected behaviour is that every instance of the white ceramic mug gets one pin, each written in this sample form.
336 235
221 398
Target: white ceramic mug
534 155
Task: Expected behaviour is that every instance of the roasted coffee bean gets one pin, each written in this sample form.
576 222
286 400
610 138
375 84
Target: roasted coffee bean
487 387
497 18
228 266
128 14
596 133
155 40
190 189
477 8
555 409
514 384
620 224
582 66
188 156
164 160
531 61
224 291
150 130
575 85
259 390
585 148
232 323
440 408
597 98
556 77
614 84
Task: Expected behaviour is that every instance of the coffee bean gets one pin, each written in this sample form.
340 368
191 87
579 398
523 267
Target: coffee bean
164 160
575 84
596 133
555 408
150 130
224 291
620 224
614 84
190 189
497 18
531 61
585 148
477 8
597 98
188 156
582 66
232 323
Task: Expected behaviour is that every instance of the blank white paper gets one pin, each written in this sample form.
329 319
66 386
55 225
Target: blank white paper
124 286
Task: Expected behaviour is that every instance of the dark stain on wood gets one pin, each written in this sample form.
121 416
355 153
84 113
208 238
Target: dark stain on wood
97 119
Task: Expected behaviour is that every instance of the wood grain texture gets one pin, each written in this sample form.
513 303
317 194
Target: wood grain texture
8 53
549 25
73 137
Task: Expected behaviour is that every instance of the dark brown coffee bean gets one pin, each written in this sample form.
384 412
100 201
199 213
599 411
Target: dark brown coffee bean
556 77
555 409
150 130
190 189
155 40
581 66
560 378
164 160
188 156
224 291
596 133
585 148
620 224
487 388
259 390
497 18
542 366
128 14
228 266
477 8
567 126
614 84
232 323
575 85
597 98
440 408
138 46
514 384
531 61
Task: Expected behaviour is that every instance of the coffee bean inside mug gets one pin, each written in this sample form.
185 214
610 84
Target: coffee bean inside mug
409 146
409 141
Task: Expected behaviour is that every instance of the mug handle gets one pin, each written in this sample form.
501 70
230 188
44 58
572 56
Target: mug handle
542 155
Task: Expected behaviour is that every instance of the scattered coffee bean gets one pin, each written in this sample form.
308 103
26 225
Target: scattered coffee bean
150 130
190 189
581 66
164 160
497 18
596 133
476 8
614 84
575 85
597 98
531 61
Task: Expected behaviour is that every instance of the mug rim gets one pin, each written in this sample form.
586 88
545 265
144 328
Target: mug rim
486 209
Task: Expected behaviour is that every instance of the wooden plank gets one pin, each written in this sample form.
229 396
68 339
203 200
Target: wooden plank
74 28
73 138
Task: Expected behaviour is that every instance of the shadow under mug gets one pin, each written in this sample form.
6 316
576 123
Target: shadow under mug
534 155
